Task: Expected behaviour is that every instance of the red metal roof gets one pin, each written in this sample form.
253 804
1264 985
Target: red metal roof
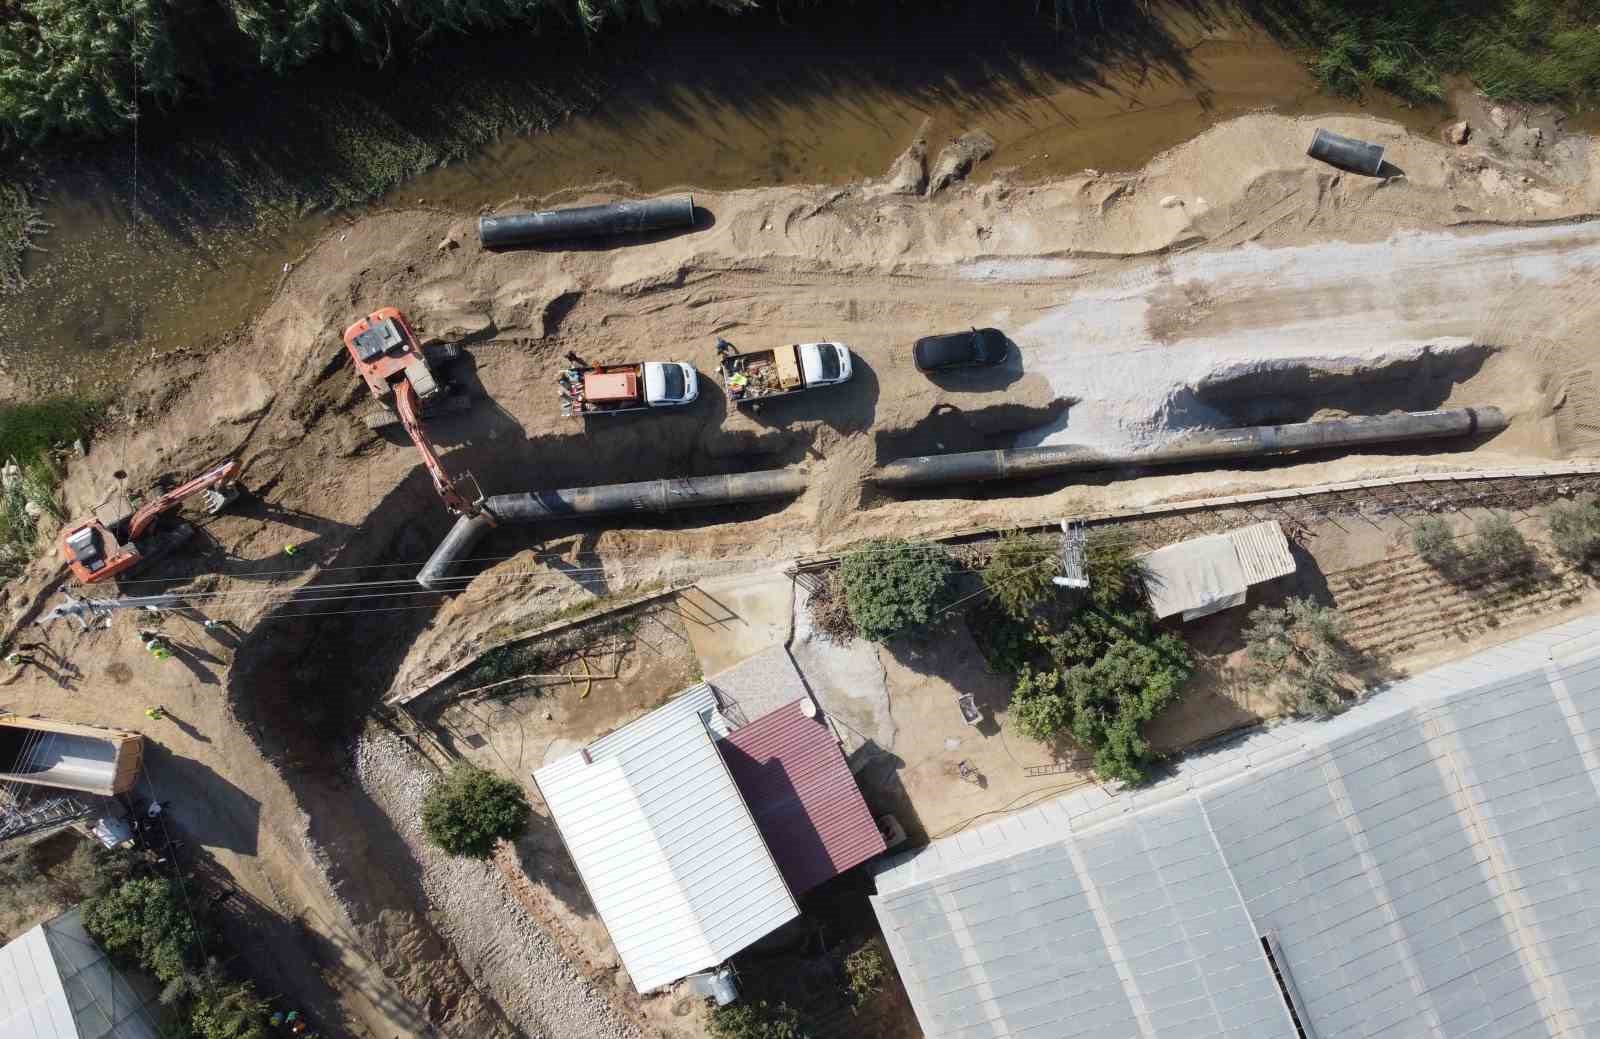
804 799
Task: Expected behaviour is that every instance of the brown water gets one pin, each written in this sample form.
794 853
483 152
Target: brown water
699 110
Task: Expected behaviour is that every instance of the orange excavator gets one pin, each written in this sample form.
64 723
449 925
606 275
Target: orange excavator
98 552
396 370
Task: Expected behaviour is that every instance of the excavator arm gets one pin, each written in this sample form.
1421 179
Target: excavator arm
407 405
143 519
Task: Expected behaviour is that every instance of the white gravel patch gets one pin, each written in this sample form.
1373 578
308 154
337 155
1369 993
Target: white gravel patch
503 950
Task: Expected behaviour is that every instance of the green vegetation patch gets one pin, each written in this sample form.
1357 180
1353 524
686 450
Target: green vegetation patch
1514 50
471 810
892 586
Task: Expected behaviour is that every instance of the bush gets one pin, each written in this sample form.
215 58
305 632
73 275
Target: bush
1300 647
469 810
1575 529
757 1021
1112 673
892 585
864 971
1498 547
1435 542
229 1010
146 921
1019 572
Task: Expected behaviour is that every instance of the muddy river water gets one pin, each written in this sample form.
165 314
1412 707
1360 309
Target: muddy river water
704 110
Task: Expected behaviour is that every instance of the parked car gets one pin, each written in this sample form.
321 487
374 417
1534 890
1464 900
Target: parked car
975 347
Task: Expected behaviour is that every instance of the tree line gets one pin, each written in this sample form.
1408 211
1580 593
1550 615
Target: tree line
85 68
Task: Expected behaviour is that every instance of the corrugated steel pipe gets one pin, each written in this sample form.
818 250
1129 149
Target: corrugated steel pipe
607 499
613 218
1245 442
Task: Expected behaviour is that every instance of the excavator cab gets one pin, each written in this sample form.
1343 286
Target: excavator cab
98 552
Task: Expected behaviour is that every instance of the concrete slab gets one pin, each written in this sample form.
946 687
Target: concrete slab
847 683
759 685
730 619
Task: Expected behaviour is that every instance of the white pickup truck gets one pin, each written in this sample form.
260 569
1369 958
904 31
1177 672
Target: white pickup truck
612 389
752 378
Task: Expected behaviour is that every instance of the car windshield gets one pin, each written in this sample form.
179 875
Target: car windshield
672 383
988 346
830 360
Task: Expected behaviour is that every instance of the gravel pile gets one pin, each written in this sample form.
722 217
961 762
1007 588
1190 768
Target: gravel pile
506 953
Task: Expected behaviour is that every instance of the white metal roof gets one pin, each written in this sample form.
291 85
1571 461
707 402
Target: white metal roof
666 846
56 983
1205 574
1428 864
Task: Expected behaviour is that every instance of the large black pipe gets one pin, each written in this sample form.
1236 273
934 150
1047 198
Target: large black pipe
607 499
613 218
1347 153
973 466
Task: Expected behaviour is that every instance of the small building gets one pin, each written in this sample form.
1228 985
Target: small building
693 837
788 766
85 758
56 983
1208 574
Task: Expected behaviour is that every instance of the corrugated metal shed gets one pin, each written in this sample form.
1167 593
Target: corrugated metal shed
1429 863
805 800
666 847
85 758
56 983
1211 573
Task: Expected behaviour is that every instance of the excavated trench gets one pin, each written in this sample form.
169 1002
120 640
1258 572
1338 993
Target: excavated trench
1274 392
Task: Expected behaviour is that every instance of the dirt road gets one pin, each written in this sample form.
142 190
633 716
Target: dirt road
1233 278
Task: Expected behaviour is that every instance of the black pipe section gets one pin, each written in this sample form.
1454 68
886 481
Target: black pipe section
605 500
614 218
1245 442
1347 153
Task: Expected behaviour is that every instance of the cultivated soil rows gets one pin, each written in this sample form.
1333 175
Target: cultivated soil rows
1456 283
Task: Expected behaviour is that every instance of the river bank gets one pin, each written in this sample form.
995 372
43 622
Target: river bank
229 197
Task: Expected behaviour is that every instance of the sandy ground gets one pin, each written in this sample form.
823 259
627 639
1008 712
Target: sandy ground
1143 297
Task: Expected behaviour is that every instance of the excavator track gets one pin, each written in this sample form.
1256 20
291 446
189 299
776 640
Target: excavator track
153 547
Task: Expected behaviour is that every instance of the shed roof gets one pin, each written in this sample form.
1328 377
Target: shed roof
665 844
806 802
1205 574
1428 863
56 983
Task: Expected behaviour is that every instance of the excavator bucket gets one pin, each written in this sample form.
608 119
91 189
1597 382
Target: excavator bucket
215 499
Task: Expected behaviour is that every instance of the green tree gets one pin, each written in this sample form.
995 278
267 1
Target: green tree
1019 572
757 1021
1498 547
1435 542
229 1010
470 809
1113 672
1115 576
145 920
1300 648
1575 529
892 585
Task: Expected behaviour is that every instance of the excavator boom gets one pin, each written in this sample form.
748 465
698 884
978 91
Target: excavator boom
407 405
149 513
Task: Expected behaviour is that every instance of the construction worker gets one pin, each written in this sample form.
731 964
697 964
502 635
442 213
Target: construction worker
289 549
18 660
155 644
211 624
155 714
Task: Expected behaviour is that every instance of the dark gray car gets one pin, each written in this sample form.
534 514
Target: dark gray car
974 347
